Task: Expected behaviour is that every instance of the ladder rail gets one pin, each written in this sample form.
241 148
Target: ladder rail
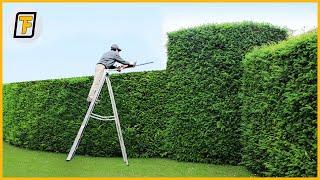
86 119
117 122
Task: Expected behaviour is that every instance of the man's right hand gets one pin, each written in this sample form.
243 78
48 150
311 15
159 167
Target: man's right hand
121 67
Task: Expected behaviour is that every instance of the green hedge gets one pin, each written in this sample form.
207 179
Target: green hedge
204 67
46 115
279 108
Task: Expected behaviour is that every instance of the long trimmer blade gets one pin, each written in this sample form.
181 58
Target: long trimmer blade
145 63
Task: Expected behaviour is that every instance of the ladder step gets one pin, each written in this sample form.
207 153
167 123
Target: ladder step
102 118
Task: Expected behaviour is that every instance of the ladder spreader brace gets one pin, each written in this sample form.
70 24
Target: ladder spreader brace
90 114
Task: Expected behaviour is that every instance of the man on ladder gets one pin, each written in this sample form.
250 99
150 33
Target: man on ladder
106 62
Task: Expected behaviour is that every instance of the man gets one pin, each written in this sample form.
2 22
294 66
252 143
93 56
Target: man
107 61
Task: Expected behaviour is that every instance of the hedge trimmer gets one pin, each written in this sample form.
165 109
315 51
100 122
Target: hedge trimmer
131 65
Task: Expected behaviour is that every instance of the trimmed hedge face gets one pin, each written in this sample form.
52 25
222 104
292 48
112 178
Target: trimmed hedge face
279 112
204 67
46 115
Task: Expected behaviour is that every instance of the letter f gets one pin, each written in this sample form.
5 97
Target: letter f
25 23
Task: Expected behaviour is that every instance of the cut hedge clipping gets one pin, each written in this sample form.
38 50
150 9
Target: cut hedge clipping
279 115
189 112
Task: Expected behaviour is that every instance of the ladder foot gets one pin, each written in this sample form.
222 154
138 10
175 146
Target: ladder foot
68 158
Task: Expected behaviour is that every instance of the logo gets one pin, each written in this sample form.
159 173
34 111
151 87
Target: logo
25 24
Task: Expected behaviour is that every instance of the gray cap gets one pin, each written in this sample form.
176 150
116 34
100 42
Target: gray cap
116 47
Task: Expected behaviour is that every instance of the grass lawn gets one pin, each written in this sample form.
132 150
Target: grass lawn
19 162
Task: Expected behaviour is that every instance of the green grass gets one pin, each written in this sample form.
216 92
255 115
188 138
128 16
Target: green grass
26 163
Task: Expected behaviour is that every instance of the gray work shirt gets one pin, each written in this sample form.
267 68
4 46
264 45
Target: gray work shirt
109 58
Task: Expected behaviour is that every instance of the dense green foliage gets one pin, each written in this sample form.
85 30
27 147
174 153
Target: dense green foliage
46 115
204 71
279 108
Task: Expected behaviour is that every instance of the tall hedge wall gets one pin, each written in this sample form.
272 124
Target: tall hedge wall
46 115
204 67
279 112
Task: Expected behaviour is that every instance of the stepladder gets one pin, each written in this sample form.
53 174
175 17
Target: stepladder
90 115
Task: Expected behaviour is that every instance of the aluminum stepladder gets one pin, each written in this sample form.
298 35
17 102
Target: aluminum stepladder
90 114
